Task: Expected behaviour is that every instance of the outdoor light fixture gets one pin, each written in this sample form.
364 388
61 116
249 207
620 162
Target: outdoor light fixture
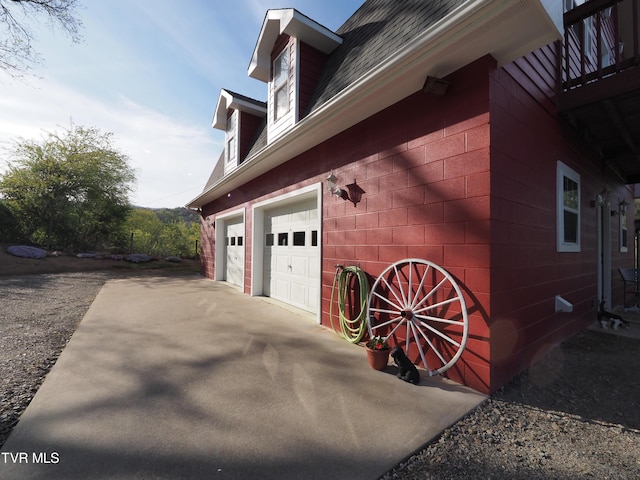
332 186
355 192
435 86
622 207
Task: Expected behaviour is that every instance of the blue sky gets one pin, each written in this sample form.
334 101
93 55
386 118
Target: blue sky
150 72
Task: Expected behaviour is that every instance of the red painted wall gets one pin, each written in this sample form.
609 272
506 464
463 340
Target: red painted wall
527 140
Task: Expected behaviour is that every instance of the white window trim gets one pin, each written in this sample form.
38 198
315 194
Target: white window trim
283 85
562 172
280 125
624 239
232 135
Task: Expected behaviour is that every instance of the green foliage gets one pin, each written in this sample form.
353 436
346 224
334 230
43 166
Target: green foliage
9 231
164 232
69 190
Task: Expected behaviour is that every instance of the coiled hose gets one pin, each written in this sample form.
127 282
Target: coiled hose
351 329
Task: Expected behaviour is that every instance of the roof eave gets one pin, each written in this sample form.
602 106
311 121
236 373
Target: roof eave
227 100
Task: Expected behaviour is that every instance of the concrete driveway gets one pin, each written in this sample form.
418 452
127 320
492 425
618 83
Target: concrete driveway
185 378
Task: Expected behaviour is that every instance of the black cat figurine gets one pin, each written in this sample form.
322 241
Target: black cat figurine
407 371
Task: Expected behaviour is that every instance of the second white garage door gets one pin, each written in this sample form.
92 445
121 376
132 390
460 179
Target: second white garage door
291 254
234 251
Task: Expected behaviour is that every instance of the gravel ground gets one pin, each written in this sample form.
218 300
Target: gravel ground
575 415
38 315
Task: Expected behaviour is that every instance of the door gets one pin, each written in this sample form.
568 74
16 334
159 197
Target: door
291 254
234 251
604 250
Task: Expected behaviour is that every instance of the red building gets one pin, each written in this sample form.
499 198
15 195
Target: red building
497 140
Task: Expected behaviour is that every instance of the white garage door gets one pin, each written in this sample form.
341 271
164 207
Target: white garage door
234 251
291 254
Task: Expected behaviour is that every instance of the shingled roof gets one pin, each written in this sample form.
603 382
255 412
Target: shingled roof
377 30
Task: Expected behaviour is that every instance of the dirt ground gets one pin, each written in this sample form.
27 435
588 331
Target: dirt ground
12 265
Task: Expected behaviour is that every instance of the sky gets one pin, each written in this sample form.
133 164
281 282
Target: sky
150 73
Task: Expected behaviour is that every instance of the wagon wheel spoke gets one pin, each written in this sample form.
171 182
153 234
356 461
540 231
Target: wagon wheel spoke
387 301
440 334
433 291
433 348
436 305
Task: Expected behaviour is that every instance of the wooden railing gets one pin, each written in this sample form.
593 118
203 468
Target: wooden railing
601 38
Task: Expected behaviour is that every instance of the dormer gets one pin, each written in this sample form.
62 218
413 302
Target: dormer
239 117
289 57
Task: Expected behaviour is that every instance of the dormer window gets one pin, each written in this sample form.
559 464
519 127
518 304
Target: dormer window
239 117
289 57
281 84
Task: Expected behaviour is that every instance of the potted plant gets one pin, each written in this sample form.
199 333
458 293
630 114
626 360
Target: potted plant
378 352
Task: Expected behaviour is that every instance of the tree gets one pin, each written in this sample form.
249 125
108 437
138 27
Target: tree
70 189
163 231
16 37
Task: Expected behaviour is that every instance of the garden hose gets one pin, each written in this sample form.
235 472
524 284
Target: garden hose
351 329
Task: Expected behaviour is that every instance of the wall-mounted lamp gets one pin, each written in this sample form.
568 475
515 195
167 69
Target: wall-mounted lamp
622 207
435 86
332 186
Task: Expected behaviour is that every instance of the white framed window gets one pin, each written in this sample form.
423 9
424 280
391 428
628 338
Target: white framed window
281 84
568 209
623 231
232 135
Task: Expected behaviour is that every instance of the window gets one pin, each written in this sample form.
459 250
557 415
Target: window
281 84
269 240
283 239
568 212
232 148
299 239
623 230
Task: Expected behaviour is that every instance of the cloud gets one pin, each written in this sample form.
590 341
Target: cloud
172 159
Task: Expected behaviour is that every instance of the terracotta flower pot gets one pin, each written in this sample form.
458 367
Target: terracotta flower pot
378 359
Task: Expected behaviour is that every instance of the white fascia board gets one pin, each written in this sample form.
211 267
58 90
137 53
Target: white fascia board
465 35
227 100
293 23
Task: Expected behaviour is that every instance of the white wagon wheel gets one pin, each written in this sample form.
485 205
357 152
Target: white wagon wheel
419 304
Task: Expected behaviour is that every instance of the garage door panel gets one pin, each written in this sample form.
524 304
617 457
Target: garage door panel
281 264
299 266
281 289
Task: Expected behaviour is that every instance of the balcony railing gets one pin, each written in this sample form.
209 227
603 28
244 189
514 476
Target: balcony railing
601 38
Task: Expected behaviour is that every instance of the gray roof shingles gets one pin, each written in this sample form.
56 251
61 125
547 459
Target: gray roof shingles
375 32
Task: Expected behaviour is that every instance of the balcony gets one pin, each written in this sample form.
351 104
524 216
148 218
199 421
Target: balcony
600 81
